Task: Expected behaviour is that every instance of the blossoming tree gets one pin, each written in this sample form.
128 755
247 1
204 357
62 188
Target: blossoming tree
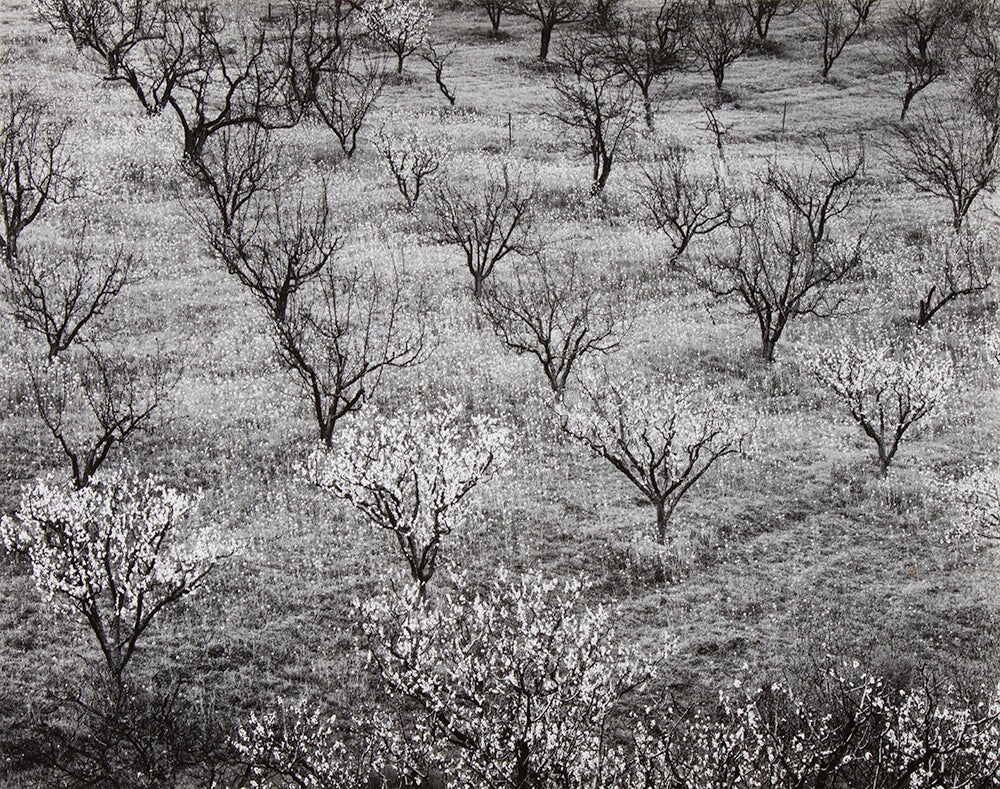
409 473
887 391
108 554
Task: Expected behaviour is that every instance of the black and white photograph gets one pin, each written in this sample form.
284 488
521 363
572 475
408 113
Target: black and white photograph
499 394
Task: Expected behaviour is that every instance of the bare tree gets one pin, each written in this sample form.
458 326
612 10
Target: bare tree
763 12
593 98
312 37
237 164
782 261
92 400
981 53
950 266
925 38
839 22
437 61
603 15
211 71
681 203
489 222
662 438
413 160
34 168
550 14
720 36
823 191
548 309
57 292
341 335
950 154
648 48
278 245
495 9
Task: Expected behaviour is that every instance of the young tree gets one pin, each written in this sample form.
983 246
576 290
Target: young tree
952 154
681 202
489 222
549 14
409 474
603 15
649 48
550 310
437 62
720 36
347 94
34 168
413 160
56 292
277 245
888 391
593 98
925 37
91 400
110 554
661 438
400 26
518 685
340 335
782 261
763 12
839 22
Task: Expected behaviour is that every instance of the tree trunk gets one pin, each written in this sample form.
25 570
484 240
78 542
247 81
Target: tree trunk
662 516
647 108
543 51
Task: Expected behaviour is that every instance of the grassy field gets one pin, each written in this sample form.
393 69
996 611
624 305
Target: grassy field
796 552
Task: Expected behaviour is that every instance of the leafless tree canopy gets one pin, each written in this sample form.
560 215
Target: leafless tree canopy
839 21
210 71
56 292
763 12
950 153
341 335
237 165
93 400
650 47
549 14
926 40
495 9
488 222
34 168
412 160
782 260
278 245
680 202
720 36
594 98
548 308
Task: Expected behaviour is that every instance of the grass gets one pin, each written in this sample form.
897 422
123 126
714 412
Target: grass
795 552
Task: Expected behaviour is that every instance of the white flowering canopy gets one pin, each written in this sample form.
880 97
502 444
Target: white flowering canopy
108 553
